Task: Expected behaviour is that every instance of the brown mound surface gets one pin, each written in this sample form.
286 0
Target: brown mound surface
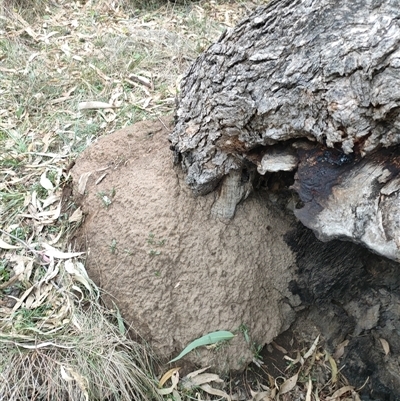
175 272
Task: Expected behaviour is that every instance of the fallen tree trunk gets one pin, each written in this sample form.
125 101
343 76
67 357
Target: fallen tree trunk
293 82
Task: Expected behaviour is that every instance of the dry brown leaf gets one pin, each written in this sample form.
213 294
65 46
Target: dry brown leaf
65 375
312 348
20 261
78 271
309 389
339 393
334 368
66 49
146 102
76 217
55 253
169 390
52 271
279 348
61 99
24 265
31 33
176 396
56 238
78 58
7 284
260 396
83 181
53 214
50 200
289 384
167 376
340 349
94 105
205 378
109 116
141 80
385 345
213 391
22 299
293 361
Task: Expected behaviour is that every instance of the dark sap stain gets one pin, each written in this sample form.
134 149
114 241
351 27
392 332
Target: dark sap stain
336 157
319 170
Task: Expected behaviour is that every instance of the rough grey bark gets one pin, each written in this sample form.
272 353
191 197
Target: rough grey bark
294 76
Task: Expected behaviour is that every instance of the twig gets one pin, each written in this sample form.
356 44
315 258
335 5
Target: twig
162 122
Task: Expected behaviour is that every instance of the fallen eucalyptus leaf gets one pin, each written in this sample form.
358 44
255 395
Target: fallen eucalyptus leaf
167 376
78 271
213 391
289 384
211 338
340 349
94 105
339 393
333 367
55 253
46 183
309 389
83 181
385 345
76 217
312 348
65 375
260 396
198 380
169 390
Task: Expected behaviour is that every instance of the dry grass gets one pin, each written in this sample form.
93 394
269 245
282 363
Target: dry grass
89 360
58 343
58 60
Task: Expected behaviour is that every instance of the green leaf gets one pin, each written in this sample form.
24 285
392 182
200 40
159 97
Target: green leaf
120 320
208 339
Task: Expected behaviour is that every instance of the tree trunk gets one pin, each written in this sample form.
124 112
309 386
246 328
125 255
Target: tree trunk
309 86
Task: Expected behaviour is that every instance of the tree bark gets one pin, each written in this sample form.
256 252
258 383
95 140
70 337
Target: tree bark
295 77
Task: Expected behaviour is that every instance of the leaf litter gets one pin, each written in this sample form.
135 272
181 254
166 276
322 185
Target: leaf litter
76 72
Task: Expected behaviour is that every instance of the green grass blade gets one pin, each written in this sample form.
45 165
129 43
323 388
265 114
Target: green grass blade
208 339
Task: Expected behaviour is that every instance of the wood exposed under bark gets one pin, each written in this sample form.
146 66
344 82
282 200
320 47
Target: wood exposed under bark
317 74
357 201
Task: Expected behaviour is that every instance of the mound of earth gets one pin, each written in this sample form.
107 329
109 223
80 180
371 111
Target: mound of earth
176 271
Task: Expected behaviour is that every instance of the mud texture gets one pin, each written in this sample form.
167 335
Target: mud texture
176 272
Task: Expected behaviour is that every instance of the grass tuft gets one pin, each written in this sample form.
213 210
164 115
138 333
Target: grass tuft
70 348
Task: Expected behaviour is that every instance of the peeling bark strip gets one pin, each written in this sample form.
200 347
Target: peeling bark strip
317 69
